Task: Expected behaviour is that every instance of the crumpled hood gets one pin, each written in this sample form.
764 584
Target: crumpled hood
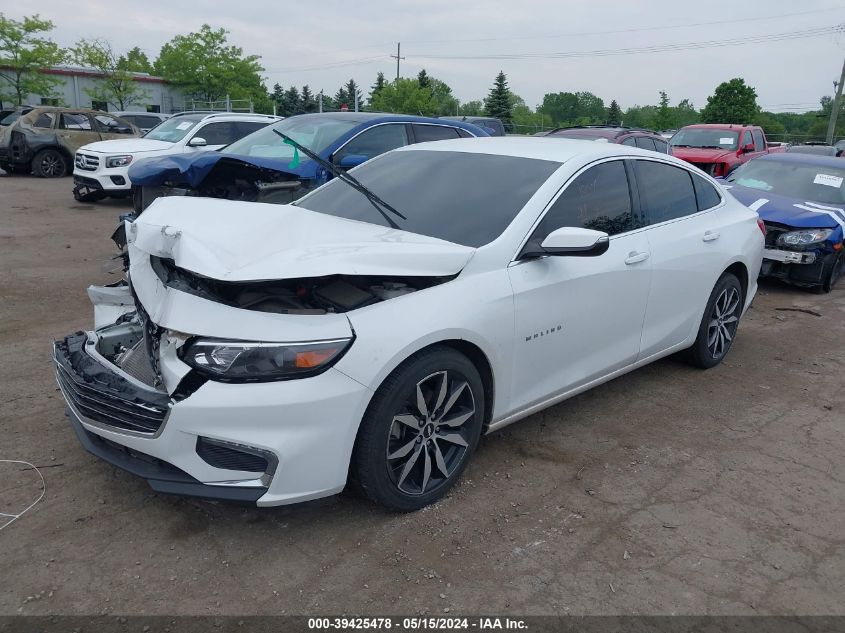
127 146
249 241
789 211
191 169
702 154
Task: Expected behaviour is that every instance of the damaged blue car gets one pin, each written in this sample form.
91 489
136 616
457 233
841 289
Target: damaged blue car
262 167
801 200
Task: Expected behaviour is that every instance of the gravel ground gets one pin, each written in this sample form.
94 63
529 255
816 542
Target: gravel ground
667 491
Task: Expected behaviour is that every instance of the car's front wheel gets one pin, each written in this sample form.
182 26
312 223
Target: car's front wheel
718 327
420 430
833 271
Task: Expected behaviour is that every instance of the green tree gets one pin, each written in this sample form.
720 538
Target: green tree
686 114
471 108
732 102
498 103
291 102
614 113
307 101
447 104
24 51
404 96
664 118
423 79
116 85
135 61
348 94
207 67
771 126
376 88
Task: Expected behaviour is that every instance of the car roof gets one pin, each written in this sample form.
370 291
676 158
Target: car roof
385 117
719 126
603 131
240 116
804 159
538 148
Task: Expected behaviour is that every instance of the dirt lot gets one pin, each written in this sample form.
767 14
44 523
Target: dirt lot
669 490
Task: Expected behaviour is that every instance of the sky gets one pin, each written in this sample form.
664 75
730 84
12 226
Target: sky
324 44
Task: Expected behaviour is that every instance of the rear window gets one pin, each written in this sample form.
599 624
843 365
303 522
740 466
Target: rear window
461 197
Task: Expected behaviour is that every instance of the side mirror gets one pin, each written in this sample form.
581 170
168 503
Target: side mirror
197 141
569 240
353 160
747 149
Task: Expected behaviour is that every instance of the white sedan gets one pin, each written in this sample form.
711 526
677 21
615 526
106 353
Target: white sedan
273 353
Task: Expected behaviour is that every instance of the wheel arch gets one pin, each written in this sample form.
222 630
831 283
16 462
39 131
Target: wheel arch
740 271
58 148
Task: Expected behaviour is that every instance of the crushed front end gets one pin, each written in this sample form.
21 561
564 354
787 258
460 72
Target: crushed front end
801 256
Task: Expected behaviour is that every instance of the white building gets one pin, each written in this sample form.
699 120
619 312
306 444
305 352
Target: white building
74 80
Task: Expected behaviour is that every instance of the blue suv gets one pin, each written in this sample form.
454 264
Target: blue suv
262 167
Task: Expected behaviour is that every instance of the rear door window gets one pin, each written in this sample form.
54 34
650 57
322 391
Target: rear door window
45 120
644 142
632 141
74 121
666 192
661 146
705 193
425 133
759 141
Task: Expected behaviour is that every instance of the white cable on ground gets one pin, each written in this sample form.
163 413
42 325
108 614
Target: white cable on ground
15 517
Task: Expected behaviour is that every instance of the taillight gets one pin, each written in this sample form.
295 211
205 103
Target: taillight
762 226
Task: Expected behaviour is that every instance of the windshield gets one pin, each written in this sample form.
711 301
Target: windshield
315 133
807 182
701 137
175 129
465 198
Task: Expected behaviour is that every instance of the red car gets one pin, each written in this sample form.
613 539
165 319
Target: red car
719 148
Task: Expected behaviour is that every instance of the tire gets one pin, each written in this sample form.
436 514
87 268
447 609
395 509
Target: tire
719 323
834 272
419 431
49 163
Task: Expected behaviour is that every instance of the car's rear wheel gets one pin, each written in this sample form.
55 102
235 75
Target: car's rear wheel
718 327
420 430
49 163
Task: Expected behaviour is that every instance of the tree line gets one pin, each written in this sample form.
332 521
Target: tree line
208 68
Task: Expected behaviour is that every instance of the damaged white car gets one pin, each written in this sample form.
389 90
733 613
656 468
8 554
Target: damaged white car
373 331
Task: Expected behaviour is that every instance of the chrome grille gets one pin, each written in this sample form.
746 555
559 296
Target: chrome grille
86 161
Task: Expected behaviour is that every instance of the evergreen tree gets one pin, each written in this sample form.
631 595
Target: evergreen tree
278 97
347 95
291 102
498 102
664 118
307 102
423 79
377 87
614 114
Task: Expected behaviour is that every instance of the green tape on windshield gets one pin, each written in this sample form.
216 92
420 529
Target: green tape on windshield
295 162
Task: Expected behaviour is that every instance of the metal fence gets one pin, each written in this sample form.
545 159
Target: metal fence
223 105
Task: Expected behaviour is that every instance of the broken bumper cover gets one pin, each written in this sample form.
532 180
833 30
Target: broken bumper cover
802 268
295 436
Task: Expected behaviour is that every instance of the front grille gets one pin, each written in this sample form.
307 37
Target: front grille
87 162
226 456
102 395
707 168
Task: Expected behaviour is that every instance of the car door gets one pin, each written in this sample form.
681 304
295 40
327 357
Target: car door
216 134
374 141
580 318
686 250
424 132
75 129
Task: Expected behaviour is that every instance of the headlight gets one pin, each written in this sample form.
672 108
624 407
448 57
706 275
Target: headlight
242 361
804 238
118 161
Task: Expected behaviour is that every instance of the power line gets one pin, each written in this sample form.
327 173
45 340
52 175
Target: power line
338 64
633 30
739 41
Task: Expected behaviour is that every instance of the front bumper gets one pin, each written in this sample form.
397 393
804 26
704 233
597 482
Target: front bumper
802 268
303 430
89 170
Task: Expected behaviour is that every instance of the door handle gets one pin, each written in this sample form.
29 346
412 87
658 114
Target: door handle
709 236
635 258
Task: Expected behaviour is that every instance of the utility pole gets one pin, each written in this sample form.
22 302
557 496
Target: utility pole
837 101
398 57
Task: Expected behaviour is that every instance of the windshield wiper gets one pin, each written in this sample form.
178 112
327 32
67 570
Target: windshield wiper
341 174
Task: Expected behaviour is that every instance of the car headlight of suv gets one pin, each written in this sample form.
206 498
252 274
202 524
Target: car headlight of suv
246 361
118 161
804 238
